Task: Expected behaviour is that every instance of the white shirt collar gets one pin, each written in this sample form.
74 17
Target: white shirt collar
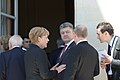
81 41
69 42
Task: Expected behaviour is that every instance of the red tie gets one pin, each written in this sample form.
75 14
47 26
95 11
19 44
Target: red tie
63 51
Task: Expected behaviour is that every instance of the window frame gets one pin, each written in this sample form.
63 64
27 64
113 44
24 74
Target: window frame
6 15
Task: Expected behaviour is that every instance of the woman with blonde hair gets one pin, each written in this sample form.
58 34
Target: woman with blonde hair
37 65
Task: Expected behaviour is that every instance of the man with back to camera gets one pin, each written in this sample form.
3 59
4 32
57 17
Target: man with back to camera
12 61
82 63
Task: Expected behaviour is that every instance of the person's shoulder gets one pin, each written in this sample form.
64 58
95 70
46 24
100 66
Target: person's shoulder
73 43
118 38
16 49
73 49
34 50
5 54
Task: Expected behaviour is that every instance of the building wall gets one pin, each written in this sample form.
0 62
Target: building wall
92 12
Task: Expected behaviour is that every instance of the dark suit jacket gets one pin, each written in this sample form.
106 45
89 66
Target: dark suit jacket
61 60
37 65
82 63
53 56
65 53
116 61
12 65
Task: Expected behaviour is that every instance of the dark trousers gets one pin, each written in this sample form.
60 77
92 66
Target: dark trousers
115 76
110 77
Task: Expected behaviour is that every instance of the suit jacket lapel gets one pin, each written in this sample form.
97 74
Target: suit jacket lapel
117 48
65 53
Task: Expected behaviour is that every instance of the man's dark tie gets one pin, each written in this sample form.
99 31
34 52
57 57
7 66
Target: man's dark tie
62 53
63 50
108 66
109 53
109 50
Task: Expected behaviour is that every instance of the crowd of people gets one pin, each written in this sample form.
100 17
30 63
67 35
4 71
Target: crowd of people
74 59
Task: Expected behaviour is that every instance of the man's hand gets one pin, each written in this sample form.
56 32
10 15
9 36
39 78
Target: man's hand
102 63
105 61
108 60
54 67
59 68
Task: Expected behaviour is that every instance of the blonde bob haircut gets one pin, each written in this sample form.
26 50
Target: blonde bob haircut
36 32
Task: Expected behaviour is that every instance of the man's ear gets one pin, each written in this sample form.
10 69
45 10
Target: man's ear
10 46
106 33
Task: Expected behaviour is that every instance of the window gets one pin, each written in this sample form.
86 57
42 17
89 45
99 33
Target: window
8 17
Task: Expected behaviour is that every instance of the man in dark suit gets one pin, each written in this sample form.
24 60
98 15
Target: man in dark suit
12 62
67 35
82 61
54 54
111 61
